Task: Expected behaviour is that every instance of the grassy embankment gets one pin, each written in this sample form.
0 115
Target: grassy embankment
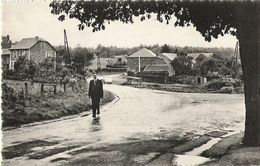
17 110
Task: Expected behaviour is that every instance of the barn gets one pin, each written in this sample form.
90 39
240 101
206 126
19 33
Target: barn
151 67
137 61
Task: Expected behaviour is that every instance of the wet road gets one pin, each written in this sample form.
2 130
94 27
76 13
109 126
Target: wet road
139 114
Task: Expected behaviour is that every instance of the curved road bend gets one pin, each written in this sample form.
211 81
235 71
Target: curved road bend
139 114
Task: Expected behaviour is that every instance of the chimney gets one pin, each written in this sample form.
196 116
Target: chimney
7 37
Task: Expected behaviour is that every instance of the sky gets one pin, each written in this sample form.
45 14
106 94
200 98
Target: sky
22 19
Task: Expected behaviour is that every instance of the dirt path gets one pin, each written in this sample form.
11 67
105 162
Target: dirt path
137 120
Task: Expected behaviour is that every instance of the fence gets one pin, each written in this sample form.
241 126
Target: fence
29 87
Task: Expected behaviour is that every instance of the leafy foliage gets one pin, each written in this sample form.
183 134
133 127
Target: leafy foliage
182 65
208 65
61 53
47 65
210 19
224 82
14 103
81 57
24 68
165 49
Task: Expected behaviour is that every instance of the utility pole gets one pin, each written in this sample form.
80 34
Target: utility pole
98 63
66 44
139 66
236 55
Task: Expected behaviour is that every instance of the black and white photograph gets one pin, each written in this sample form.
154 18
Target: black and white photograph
130 83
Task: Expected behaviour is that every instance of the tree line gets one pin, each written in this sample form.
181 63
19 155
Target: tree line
112 51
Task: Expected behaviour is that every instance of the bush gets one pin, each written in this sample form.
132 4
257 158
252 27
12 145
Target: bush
239 90
219 83
226 89
238 83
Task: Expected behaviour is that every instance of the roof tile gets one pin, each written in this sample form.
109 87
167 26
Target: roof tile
144 52
26 43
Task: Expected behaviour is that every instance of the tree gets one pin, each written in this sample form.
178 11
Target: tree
182 65
6 42
61 54
200 58
211 19
81 57
208 65
165 48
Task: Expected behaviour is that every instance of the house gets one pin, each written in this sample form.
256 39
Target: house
5 57
34 49
160 72
6 43
156 73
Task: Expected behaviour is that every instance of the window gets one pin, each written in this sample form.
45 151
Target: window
21 53
42 44
12 65
15 54
48 54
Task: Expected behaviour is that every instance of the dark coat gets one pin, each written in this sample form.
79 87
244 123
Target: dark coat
95 90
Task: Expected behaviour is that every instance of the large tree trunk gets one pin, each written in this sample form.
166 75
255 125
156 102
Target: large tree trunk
249 39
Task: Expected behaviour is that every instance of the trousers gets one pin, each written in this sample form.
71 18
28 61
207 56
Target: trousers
95 105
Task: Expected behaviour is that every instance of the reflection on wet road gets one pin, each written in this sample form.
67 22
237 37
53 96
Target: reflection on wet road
95 125
140 114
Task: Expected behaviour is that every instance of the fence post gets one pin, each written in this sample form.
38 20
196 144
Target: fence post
42 88
64 87
26 88
54 89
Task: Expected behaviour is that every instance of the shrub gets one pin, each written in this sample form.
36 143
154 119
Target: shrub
219 83
239 90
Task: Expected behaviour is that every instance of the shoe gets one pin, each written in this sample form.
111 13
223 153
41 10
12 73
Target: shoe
98 112
93 116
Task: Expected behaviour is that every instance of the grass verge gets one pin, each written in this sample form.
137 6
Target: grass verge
46 107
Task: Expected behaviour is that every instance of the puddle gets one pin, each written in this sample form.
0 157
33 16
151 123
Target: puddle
197 151
194 157
188 159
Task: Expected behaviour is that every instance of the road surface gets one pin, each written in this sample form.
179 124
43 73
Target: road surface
139 115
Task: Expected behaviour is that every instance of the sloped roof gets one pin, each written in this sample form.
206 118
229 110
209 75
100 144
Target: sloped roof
157 68
5 51
26 43
195 55
144 52
170 56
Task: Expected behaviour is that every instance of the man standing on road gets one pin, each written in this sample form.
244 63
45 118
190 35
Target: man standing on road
95 93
